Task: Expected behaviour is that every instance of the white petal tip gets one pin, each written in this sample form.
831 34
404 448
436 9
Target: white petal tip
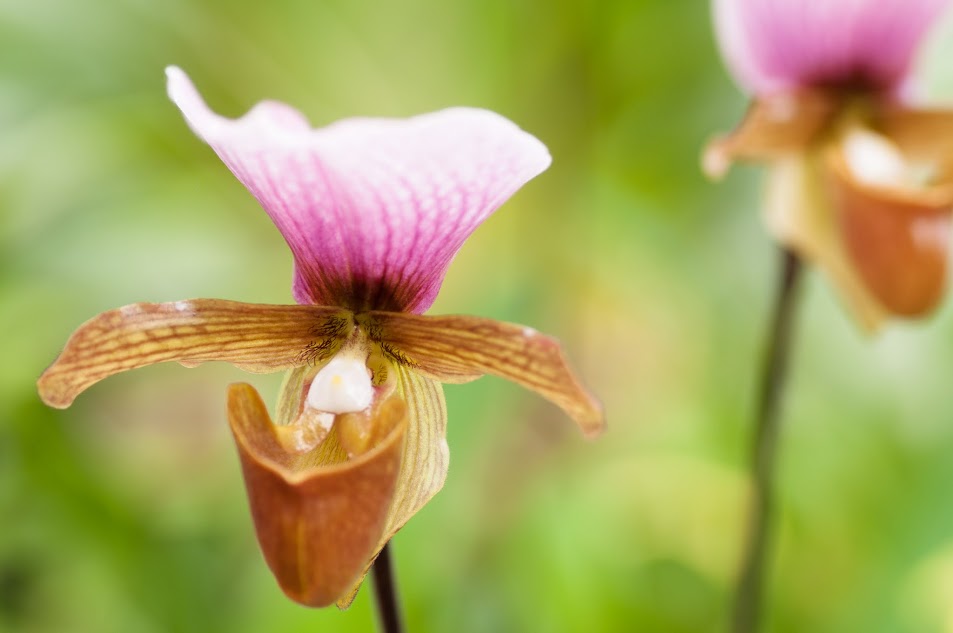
715 162
176 82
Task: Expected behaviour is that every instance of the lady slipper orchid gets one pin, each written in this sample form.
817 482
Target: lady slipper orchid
374 210
861 182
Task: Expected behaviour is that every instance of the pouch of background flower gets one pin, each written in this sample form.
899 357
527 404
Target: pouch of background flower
861 182
374 210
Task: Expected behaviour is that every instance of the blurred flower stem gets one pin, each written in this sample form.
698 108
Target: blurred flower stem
385 593
750 586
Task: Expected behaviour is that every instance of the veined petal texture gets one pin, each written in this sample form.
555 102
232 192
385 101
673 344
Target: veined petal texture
374 210
254 337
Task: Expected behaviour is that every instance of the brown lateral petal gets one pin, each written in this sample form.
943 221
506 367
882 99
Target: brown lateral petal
922 135
774 125
896 237
253 337
319 520
460 348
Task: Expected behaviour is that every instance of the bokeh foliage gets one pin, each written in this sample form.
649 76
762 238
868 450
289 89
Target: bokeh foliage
127 513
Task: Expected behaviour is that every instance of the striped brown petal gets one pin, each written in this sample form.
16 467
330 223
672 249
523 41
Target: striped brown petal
319 516
461 348
774 126
897 237
256 338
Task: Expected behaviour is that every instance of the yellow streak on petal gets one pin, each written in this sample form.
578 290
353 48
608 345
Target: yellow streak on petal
799 214
426 455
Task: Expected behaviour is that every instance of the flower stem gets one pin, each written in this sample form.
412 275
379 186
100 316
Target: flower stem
747 605
385 593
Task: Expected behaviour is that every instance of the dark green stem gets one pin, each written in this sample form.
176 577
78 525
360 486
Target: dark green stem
385 593
750 586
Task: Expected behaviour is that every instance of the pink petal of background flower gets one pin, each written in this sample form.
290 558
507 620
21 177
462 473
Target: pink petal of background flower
374 210
772 45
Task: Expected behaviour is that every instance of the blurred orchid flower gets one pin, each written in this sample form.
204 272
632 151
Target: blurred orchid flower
861 183
374 210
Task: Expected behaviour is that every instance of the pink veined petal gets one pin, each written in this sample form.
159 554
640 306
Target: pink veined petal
772 45
374 210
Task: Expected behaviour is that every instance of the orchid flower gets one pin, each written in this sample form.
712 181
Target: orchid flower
861 182
374 210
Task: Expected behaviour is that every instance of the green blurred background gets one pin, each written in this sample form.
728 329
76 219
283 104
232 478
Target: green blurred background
126 513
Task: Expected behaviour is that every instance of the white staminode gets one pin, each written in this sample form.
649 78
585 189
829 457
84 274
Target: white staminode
342 386
875 160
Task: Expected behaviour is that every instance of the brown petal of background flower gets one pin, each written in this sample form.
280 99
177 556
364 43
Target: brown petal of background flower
254 337
798 213
773 126
897 238
922 135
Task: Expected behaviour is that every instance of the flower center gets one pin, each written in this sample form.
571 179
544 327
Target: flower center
342 386
874 160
